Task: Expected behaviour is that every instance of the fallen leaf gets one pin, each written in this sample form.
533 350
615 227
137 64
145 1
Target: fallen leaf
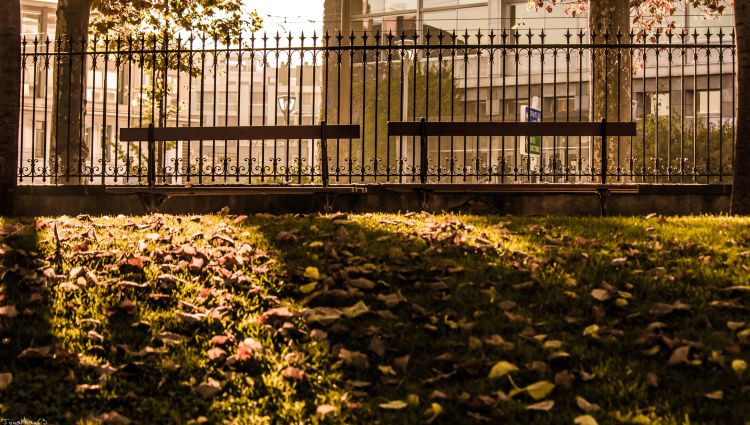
293 373
326 409
312 273
274 315
215 353
661 309
35 352
652 379
544 406
679 355
208 389
306 289
714 395
539 390
618 261
360 283
5 380
585 420
8 311
733 326
356 310
377 346
602 295
189 318
113 418
739 366
354 358
591 330
587 407
170 338
393 405
565 379
501 369
402 362
219 339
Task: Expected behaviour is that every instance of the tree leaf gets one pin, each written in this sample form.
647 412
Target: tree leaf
585 420
539 390
544 406
393 405
501 369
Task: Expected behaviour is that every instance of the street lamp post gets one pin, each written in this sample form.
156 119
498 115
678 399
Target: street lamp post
286 105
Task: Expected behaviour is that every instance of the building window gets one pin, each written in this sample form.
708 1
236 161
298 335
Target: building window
659 104
460 20
709 102
363 7
40 138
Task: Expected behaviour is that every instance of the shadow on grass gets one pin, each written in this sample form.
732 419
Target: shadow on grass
443 297
42 382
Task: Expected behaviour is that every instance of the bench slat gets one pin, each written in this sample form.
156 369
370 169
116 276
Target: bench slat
412 128
241 133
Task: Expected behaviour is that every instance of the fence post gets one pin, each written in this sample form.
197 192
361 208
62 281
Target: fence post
423 150
151 177
324 153
604 150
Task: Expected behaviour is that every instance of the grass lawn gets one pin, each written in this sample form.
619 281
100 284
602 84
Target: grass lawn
375 318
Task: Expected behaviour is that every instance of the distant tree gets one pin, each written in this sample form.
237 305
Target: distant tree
10 99
140 24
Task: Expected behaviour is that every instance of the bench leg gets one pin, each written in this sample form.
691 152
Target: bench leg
603 194
150 202
328 200
423 198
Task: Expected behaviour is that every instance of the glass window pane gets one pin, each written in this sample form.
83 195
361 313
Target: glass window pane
364 7
443 3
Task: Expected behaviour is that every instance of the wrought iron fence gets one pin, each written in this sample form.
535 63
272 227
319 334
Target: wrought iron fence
78 94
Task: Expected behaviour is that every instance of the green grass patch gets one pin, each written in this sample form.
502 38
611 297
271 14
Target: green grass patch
375 318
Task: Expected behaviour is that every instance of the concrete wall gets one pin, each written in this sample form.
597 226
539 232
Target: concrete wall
662 199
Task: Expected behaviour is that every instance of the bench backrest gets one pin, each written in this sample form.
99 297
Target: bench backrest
418 128
424 129
261 132
322 131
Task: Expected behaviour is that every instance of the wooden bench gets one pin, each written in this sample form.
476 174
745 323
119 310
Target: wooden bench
424 129
153 196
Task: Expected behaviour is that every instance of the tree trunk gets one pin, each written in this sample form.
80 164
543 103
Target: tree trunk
609 88
10 102
68 147
741 181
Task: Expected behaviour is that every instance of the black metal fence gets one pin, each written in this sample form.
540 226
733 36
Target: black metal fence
77 95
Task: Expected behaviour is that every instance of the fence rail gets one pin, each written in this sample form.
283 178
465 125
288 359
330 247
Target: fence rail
78 95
